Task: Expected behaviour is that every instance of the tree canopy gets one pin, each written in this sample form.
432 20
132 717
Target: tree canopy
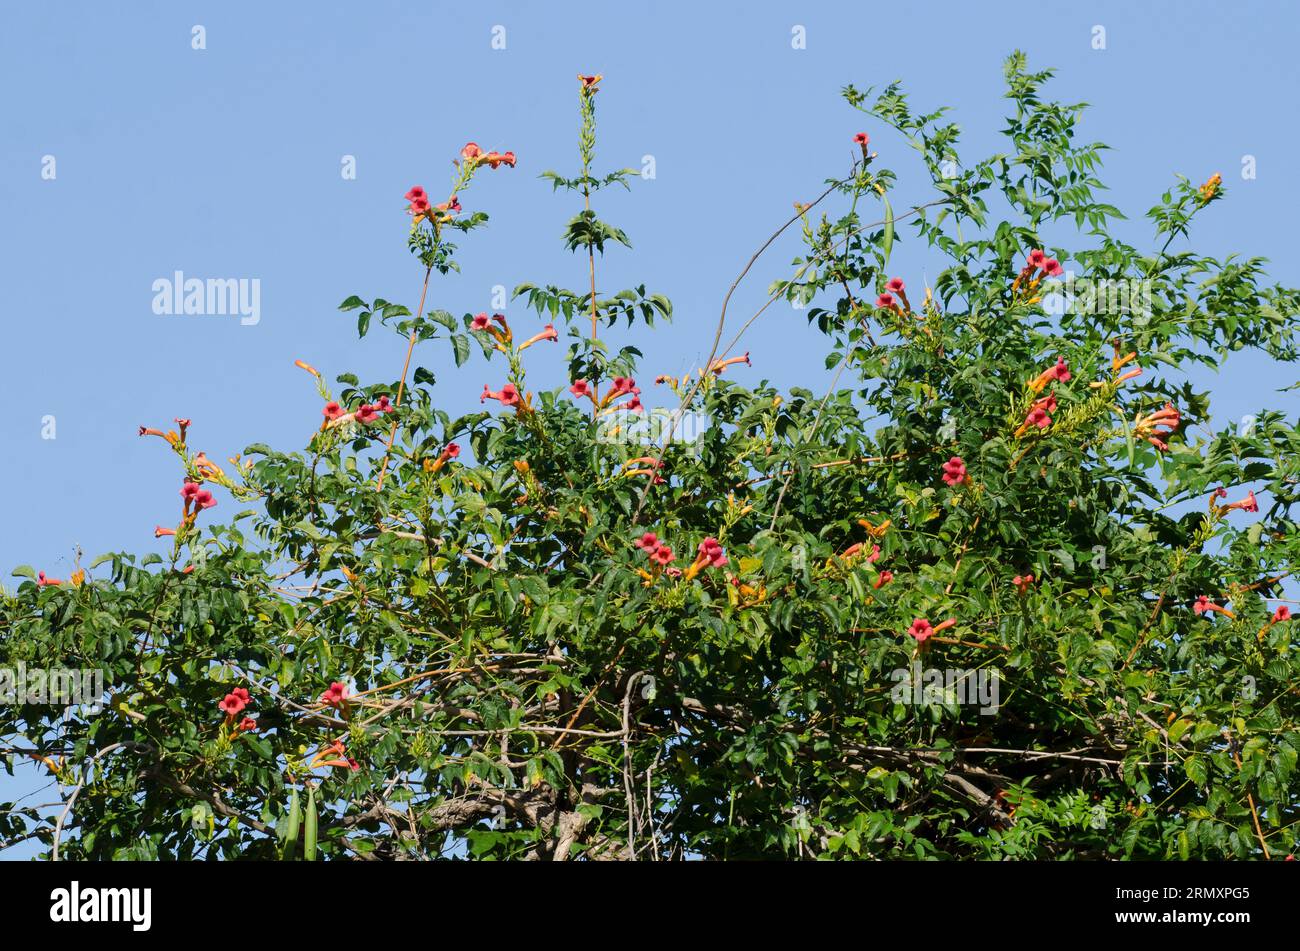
568 627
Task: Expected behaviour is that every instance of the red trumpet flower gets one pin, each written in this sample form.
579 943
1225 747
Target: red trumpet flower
954 471
508 395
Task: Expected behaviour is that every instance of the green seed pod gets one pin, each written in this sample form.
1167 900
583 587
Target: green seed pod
309 830
290 848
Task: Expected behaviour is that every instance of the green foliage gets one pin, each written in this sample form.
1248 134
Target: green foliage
523 681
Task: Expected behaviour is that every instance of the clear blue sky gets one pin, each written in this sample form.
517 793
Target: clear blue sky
225 162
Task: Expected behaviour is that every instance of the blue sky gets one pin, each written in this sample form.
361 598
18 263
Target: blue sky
225 162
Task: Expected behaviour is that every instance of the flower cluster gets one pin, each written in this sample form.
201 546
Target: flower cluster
623 386
645 466
1203 605
746 594
854 550
1117 363
659 553
232 705
336 695
173 438
1158 425
193 494
1037 266
473 156
895 286
199 469
482 323
337 754
1210 189
418 206
1058 372
365 414
710 552
922 630
508 395
449 452
1039 415
709 555
1248 504
1039 261
954 472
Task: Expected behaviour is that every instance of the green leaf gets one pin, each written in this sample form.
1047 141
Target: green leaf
887 242
460 343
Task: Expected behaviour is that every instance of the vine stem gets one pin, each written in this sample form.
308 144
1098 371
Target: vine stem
1254 813
717 339
591 264
591 271
401 384
67 807
722 319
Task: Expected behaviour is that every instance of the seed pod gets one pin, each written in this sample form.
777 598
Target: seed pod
290 849
309 827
